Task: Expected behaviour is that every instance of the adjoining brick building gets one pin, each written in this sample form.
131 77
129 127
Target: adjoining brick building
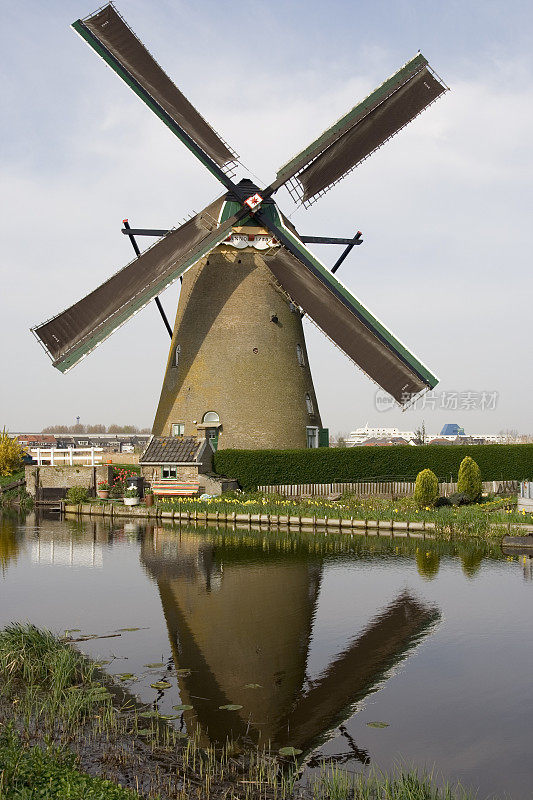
183 458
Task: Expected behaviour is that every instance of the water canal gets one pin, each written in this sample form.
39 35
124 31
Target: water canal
314 638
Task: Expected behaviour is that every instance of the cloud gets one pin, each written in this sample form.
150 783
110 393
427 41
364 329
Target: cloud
443 208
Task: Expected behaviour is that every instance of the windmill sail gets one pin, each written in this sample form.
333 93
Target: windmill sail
75 332
116 43
361 131
345 320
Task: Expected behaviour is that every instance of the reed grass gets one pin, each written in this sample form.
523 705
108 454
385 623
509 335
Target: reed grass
334 783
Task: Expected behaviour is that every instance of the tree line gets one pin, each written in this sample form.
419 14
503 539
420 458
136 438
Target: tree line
79 428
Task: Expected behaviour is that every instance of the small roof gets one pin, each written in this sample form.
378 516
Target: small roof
172 450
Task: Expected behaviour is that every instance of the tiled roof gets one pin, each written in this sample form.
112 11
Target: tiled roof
172 449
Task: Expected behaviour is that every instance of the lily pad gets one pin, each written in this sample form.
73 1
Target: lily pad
127 676
145 732
161 685
154 665
72 630
289 751
120 630
169 716
230 707
182 707
378 724
148 714
253 686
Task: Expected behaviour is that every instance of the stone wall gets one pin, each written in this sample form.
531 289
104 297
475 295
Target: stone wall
63 478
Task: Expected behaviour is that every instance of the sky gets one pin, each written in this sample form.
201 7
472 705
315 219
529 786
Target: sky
444 207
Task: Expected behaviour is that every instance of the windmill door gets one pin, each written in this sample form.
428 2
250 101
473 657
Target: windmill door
212 438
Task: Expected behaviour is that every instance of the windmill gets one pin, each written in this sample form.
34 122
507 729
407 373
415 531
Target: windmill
238 369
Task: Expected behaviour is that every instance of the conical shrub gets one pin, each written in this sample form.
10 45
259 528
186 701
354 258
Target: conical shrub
469 480
426 488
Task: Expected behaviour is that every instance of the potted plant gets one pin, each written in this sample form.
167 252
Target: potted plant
148 497
131 498
103 490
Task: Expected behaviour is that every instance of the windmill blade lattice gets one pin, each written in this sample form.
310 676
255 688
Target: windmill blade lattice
361 131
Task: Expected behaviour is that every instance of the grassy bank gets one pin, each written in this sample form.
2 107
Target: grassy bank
6 480
67 731
472 520
14 497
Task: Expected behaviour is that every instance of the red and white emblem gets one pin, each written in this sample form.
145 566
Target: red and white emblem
254 201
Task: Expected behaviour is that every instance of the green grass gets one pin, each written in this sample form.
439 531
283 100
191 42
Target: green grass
5 480
48 773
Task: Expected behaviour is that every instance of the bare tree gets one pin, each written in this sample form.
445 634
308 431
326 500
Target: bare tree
420 434
509 434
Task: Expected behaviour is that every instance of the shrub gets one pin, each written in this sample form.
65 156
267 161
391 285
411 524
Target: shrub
254 468
77 494
442 501
460 499
10 454
469 480
426 488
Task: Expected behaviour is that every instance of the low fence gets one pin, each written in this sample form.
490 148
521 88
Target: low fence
390 489
70 456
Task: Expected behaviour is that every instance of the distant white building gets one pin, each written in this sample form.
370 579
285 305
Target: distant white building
360 435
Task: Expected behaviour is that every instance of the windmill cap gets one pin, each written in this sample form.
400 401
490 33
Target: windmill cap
250 189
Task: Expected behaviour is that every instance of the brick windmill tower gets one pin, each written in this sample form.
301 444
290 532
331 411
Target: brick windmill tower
237 370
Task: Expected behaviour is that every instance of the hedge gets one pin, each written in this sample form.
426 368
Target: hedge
254 468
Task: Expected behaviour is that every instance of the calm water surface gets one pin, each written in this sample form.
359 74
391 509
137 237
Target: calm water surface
314 636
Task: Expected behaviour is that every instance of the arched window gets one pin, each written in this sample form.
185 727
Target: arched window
177 355
211 416
309 403
300 355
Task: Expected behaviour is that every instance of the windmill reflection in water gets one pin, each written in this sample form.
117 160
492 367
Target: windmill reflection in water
241 620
